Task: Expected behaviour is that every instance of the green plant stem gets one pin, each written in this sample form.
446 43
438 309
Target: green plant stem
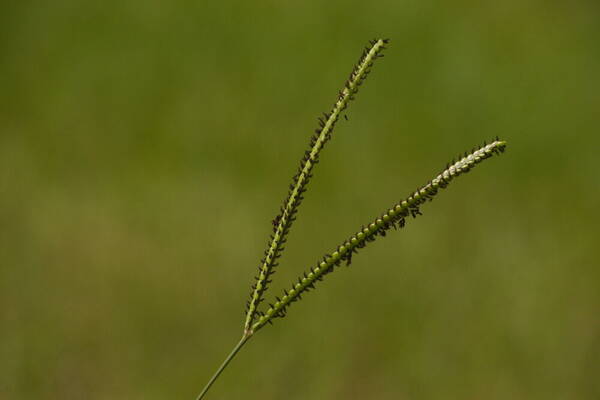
225 363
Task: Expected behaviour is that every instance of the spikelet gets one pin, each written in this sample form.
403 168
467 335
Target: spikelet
283 221
395 217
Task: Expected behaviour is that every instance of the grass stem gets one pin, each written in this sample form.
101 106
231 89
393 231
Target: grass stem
225 363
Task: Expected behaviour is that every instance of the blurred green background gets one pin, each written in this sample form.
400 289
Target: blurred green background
145 147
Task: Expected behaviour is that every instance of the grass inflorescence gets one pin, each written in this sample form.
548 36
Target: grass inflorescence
393 218
283 221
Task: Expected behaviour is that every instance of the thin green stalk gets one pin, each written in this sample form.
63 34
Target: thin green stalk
224 365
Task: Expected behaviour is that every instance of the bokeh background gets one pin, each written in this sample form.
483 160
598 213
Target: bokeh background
145 147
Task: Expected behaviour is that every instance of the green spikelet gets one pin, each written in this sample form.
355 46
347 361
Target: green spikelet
395 217
283 222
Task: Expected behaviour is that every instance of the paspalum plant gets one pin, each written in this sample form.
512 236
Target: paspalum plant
395 217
